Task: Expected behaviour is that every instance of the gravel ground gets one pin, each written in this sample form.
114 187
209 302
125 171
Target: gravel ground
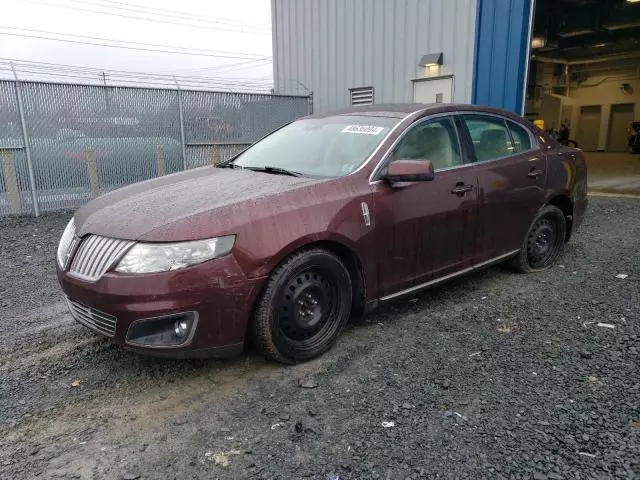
496 375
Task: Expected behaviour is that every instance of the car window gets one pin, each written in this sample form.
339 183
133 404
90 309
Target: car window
490 137
521 138
435 140
324 147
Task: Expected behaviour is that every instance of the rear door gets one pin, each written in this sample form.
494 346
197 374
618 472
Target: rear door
511 171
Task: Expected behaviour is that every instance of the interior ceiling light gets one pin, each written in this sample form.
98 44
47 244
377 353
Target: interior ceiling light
537 42
576 33
622 26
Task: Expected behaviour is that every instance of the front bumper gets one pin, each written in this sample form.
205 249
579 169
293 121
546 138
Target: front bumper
217 290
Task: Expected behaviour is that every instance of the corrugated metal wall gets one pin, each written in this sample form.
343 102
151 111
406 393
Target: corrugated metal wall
329 46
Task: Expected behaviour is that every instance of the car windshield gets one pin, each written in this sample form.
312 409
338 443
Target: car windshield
321 147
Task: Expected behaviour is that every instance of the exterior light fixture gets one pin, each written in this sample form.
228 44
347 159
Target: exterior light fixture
431 60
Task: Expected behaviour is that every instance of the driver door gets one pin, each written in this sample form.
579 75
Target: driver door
426 230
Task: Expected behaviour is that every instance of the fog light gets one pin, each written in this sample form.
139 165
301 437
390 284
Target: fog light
181 328
168 331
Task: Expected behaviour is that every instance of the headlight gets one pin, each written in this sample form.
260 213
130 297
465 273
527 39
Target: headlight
162 257
65 243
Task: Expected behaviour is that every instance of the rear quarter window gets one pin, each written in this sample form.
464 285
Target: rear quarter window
521 137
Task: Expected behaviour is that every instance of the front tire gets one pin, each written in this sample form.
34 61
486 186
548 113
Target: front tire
305 306
544 241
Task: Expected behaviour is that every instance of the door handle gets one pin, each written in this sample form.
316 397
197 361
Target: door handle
534 173
460 189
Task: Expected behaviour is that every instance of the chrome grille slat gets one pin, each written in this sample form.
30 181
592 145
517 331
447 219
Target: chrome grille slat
93 243
96 320
108 251
79 255
122 248
89 316
88 319
83 251
89 324
97 254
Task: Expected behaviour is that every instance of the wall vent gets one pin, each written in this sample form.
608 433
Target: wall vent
361 96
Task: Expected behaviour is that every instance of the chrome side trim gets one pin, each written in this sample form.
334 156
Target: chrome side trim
366 216
448 277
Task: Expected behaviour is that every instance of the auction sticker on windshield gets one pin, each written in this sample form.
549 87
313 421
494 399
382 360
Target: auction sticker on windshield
365 129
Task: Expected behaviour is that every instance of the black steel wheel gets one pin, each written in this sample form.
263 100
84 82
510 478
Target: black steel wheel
304 307
544 241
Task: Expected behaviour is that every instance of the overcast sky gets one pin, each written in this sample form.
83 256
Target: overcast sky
232 28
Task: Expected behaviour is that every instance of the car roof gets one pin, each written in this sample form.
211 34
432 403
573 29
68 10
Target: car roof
401 110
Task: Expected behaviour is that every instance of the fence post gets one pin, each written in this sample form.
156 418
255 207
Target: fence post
310 103
213 155
234 150
181 113
25 140
160 164
11 180
92 170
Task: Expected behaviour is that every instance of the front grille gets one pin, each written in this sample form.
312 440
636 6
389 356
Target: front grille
96 320
96 255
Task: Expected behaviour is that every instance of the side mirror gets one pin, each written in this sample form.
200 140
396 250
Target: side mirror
400 171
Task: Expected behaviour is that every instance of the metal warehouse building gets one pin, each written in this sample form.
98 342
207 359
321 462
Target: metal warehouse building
571 62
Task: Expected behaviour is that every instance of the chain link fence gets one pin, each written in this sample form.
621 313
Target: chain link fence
64 144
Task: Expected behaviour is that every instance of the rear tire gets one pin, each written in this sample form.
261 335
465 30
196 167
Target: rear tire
543 243
304 307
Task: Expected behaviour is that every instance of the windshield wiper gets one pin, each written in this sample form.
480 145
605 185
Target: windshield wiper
228 164
277 170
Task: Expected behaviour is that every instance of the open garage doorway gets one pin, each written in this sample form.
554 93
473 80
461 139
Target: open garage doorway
583 83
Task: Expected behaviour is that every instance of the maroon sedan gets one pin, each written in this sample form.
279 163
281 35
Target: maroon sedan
320 221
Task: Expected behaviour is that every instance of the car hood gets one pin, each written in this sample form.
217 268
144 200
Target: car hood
196 204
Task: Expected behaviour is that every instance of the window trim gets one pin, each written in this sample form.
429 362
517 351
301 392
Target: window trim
382 164
535 146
